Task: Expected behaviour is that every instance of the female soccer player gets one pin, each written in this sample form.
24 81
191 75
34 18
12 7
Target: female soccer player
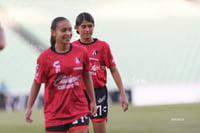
2 38
62 67
100 57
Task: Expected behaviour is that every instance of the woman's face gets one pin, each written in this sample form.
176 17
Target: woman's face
63 32
85 29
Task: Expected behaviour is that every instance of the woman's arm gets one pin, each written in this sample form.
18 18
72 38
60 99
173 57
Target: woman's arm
90 91
33 95
118 81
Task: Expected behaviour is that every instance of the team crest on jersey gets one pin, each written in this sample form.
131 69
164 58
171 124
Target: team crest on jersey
78 60
56 64
95 52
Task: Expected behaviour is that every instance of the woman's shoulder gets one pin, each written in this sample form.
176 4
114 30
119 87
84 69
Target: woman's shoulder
102 43
79 48
75 42
45 53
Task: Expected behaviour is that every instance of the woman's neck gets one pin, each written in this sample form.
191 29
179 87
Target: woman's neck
62 48
87 40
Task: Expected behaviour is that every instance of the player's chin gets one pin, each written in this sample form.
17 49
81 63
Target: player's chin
67 41
88 35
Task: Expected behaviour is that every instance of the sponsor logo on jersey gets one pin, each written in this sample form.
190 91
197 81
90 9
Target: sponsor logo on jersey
94 66
56 64
66 82
93 70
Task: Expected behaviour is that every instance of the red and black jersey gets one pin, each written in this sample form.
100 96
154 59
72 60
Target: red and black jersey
62 74
100 57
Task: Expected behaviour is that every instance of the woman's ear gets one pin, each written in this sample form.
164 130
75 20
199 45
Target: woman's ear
53 33
76 28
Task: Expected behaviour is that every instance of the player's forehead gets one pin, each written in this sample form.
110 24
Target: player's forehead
85 22
64 24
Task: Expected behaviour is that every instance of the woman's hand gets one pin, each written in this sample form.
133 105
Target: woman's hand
28 115
124 102
93 108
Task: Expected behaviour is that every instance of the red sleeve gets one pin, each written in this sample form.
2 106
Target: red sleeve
40 71
86 62
108 57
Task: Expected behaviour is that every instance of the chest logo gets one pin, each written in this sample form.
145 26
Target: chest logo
56 65
95 52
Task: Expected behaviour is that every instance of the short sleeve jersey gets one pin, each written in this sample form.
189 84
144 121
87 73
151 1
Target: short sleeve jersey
62 73
100 57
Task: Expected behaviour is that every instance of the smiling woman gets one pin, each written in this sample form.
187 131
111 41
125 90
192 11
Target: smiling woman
62 83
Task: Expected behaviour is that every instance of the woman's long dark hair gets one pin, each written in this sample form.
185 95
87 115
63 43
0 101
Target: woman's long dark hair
84 16
53 27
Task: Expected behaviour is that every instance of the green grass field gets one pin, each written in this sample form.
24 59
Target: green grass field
151 119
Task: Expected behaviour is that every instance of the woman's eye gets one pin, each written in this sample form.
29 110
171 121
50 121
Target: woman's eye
83 26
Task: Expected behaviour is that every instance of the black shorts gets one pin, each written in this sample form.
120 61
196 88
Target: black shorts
101 95
81 123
